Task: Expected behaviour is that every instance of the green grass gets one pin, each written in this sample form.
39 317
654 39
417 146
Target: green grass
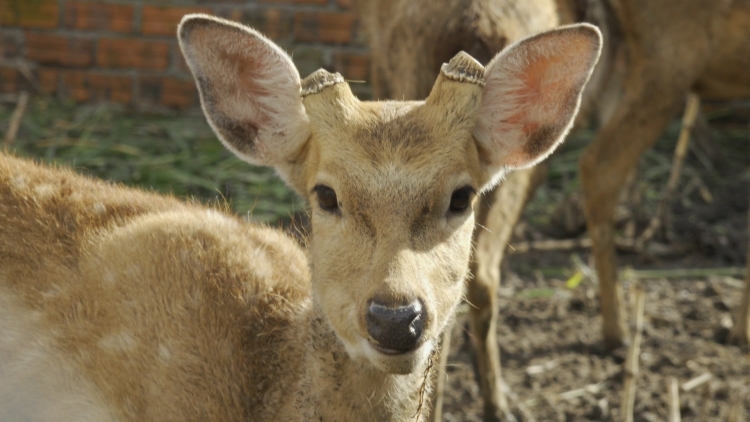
178 154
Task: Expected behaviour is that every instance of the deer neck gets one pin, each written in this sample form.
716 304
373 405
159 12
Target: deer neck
337 387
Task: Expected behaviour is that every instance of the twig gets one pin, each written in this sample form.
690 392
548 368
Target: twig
631 364
696 183
26 72
418 416
572 394
662 210
740 333
562 245
695 382
631 274
580 392
674 400
15 118
514 400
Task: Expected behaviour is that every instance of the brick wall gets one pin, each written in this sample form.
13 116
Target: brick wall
125 51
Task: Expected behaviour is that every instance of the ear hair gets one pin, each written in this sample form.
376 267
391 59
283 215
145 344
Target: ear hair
249 89
532 94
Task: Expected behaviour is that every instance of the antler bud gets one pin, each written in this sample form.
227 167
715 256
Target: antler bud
457 93
327 96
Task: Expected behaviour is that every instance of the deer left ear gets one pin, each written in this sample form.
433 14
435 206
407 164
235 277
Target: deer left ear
249 89
531 96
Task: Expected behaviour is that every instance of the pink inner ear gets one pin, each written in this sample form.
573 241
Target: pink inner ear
531 94
540 92
249 89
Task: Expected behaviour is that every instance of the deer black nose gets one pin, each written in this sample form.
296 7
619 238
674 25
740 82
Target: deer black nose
396 329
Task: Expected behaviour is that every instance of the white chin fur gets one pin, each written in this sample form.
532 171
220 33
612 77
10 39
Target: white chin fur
393 364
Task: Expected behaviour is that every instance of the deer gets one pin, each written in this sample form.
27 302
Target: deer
641 80
119 304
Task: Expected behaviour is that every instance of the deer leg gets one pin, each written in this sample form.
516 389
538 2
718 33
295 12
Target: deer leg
741 331
605 164
497 215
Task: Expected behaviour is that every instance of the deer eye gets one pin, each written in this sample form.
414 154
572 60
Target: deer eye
461 199
326 198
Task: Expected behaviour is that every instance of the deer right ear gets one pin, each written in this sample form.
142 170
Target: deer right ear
249 90
531 95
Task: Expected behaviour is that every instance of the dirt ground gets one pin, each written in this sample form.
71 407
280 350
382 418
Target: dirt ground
554 364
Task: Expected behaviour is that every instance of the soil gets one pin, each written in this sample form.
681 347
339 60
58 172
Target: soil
551 349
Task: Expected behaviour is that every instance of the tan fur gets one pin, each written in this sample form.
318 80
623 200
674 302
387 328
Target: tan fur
655 51
125 305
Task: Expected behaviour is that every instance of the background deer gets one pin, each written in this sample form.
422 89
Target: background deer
123 305
654 53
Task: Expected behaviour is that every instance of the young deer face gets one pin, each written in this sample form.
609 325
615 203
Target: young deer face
391 185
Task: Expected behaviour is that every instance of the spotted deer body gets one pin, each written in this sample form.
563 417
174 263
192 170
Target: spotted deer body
125 305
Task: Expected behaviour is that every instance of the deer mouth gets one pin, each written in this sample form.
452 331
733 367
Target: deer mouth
392 352
397 361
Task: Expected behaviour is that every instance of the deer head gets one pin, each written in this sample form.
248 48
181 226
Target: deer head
391 185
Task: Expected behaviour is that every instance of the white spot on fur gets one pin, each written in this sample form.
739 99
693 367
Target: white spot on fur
132 269
45 191
18 182
164 353
38 383
119 342
53 292
98 208
262 270
109 278
217 217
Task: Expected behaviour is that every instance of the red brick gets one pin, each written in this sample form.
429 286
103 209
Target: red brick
149 89
169 92
98 16
12 81
9 77
163 20
59 50
87 86
179 93
327 27
352 65
29 13
315 2
276 24
132 53
48 79
344 4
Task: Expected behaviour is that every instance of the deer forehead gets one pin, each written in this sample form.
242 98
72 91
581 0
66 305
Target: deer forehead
389 148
